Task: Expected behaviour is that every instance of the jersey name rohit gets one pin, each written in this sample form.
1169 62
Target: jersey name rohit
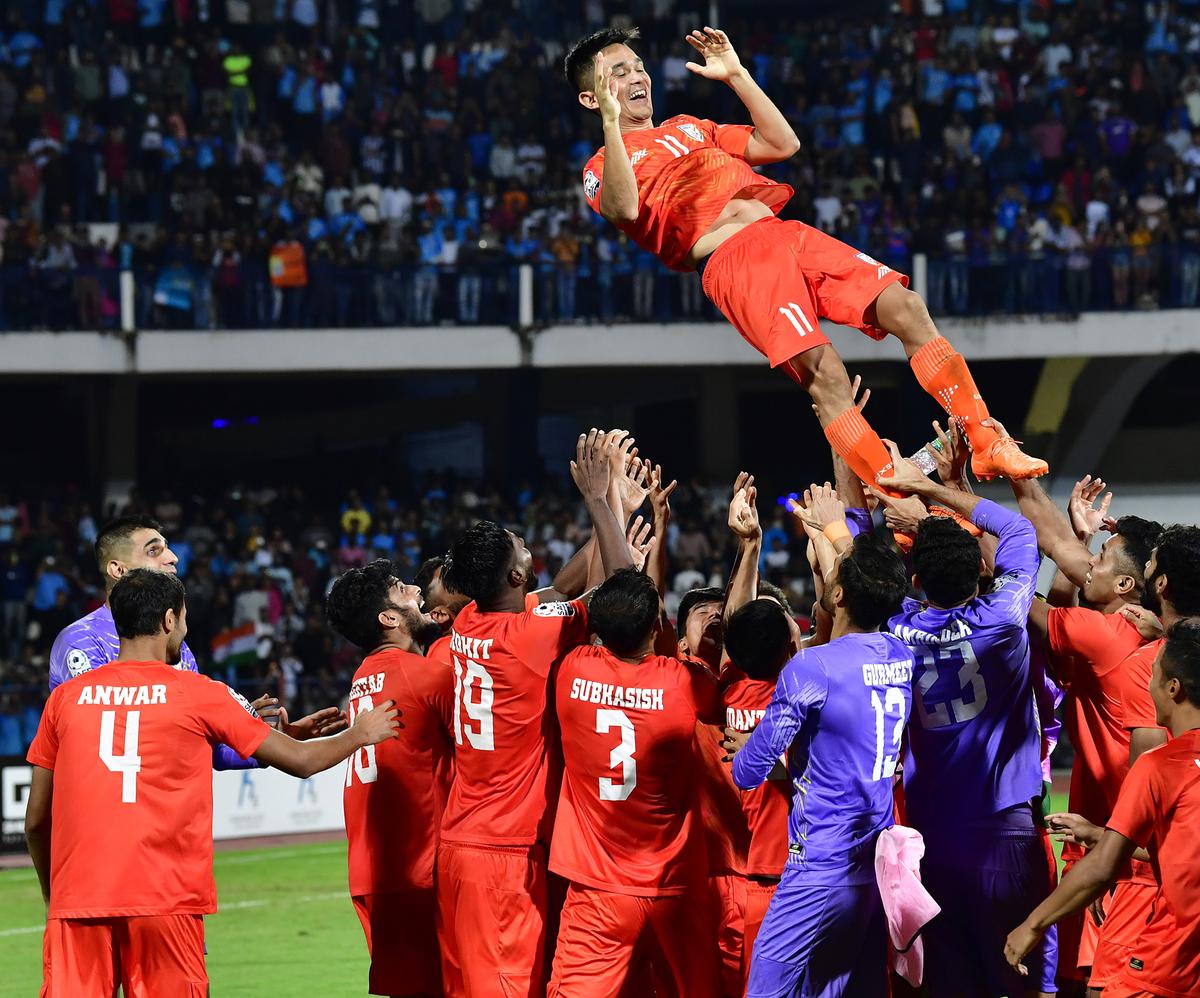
123 696
608 695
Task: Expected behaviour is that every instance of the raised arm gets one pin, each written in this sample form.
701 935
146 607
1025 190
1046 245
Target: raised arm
618 193
592 472
773 139
303 759
794 697
743 522
660 505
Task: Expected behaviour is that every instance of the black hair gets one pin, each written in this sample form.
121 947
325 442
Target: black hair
946 560
623 610
426 573
1138 538
579 65
693 599
355 601
766 588
1177 556
117 532
479 562
140 600
758 638
1181 658
873 578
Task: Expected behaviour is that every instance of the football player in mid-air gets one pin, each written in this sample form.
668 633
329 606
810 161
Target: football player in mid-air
685 190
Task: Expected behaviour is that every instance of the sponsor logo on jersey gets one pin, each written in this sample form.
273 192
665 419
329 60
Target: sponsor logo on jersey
591 184
243 701
554 610
638 156
77 662
692 132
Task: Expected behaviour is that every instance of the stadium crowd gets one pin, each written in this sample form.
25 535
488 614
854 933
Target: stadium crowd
318 163
266 556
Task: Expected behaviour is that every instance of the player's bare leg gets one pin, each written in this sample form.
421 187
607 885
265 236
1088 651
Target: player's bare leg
822 374
943 373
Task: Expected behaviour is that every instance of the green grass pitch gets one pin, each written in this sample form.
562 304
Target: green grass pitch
285 926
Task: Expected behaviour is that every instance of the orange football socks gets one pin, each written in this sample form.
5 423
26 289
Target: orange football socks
860 447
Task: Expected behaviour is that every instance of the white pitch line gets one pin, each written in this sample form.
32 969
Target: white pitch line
25 930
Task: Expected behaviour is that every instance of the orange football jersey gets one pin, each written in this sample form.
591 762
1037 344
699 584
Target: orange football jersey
766 806
628 813
687 169
396 791
131 750
1086 649
504 777
1159 808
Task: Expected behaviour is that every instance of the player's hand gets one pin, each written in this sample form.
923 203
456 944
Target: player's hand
377 725
1073 828
904 514
604 86
1147 623
1020 941
641 542
949 451
267 707
629 475
905 476
1086 517
743 509
591 470
821 507
721 62
733 741
660 495
328 721
1096 910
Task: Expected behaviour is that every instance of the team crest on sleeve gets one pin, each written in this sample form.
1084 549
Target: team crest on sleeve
591 184
692 132
243 701
554 610
868 260
77 662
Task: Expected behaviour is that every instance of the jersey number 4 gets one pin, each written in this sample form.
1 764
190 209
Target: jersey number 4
474 694
621 757
129 763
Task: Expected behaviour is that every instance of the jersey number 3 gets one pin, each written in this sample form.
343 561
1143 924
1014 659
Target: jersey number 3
129 763
621 756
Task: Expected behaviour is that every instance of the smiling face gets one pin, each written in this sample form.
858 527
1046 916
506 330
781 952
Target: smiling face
146 548
703 632
1107 576
633 87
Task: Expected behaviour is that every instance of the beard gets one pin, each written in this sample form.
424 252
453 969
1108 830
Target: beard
175 655
1150 598
422 628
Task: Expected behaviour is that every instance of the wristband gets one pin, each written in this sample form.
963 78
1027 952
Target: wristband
837 532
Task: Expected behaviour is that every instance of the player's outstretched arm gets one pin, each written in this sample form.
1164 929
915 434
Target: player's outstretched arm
37 825
619 193
773 139
1082 884
592 472
743 522
303 759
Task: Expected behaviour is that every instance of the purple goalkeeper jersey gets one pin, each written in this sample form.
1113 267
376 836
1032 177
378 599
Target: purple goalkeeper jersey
838 713
974 746
92 641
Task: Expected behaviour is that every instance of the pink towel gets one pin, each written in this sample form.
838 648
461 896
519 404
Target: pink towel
906 903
